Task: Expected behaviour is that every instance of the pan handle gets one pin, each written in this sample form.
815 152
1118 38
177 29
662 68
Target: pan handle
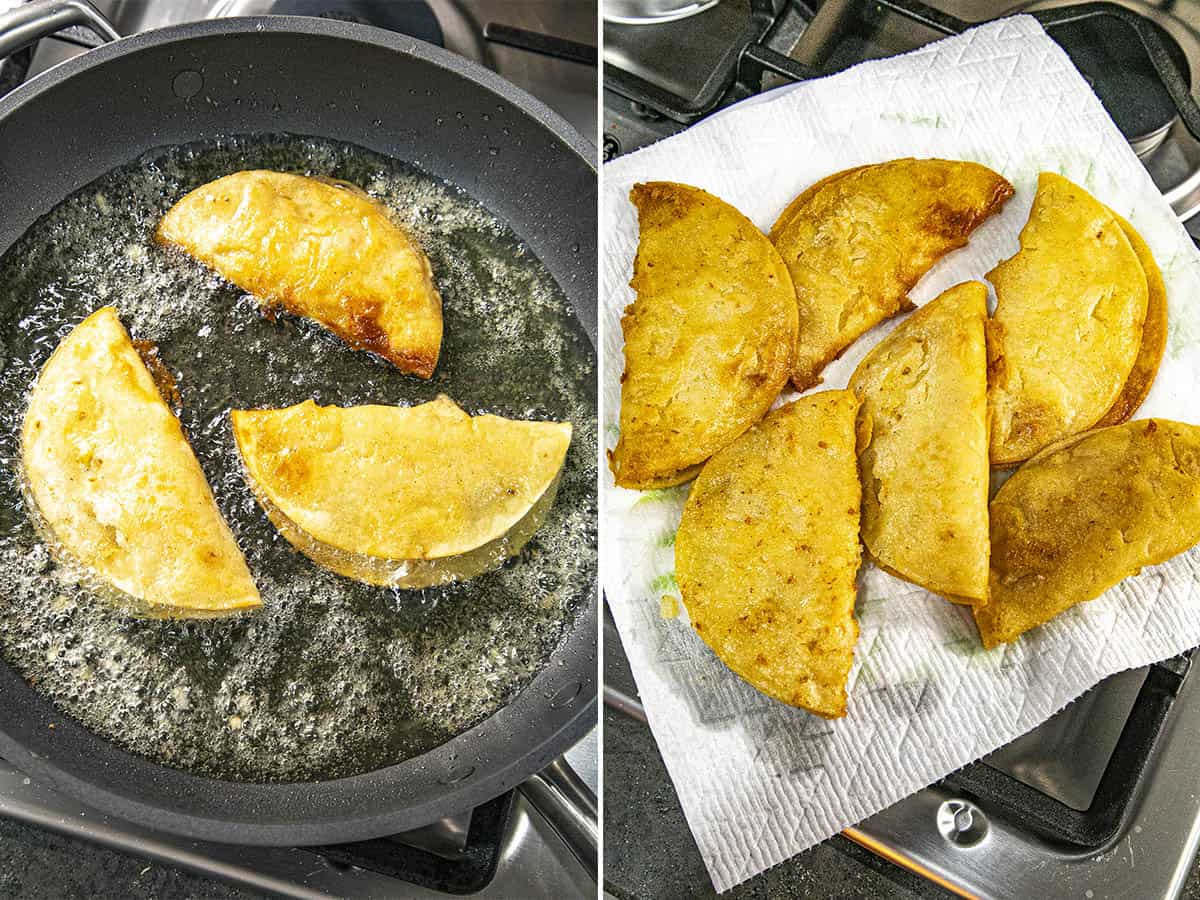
569 805
29 22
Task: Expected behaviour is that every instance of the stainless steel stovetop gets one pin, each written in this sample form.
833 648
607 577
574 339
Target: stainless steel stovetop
534 862
839 34
942 832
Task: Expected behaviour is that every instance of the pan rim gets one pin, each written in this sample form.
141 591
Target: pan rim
334 28
336 819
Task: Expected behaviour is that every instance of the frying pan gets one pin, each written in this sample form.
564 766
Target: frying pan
97 111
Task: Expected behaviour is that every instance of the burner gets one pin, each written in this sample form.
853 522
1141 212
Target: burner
651 12
1175 168
453 856
1107 50
644 62
1172 156
1110 56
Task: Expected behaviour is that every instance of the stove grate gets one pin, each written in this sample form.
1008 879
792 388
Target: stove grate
1122 54
700 80
465 871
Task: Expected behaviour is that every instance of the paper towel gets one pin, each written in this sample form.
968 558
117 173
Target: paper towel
758 781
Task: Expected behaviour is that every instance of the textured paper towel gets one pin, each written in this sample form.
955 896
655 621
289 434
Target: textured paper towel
760 782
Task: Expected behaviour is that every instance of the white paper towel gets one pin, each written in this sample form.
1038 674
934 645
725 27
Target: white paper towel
760 782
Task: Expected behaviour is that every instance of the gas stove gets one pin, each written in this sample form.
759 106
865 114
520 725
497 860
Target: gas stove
1098 801
504 848
738 48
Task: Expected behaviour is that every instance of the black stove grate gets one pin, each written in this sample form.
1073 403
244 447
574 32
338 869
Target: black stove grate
1138 71
722 49
467 871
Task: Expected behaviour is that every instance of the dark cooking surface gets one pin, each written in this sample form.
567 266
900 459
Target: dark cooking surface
332 677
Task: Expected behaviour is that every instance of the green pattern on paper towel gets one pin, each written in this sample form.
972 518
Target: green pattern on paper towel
934 121
612 430
662 495
917 675
867 658
966 647
869 677
1067 162
984 158
867 609
663 583
1183 325
972 650
1181 333
666 538
1089 177
874 676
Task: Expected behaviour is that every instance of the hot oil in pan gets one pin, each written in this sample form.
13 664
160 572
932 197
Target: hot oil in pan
332 677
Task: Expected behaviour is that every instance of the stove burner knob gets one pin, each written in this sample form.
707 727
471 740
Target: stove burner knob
612 147
962 823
